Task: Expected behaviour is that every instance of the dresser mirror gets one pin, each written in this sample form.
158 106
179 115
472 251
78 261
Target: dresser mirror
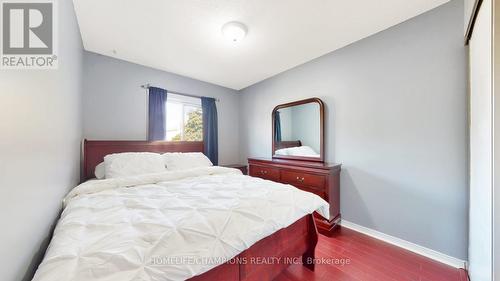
298 130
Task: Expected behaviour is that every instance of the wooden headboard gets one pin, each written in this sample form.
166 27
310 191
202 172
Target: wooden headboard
94 151
287 144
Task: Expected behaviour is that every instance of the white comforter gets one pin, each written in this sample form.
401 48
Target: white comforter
167 226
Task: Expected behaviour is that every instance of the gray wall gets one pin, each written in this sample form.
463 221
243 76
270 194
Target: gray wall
468 12
396 120
306 125
115 107
39 150
286 124
301 122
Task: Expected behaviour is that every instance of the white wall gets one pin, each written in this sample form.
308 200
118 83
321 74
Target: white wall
41 128
481 161
496 144
115 107
396 120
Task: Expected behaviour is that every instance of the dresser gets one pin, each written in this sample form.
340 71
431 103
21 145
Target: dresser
319 178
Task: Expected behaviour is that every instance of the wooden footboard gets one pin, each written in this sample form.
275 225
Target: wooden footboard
267 258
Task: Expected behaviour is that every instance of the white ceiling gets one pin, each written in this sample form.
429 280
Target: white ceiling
184 36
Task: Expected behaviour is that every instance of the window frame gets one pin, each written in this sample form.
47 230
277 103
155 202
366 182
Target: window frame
184 102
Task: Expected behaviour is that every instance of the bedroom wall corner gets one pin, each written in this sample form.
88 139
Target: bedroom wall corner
40 150
396 118
115 106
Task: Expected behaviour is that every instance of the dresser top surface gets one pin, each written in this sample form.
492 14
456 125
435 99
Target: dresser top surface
300 163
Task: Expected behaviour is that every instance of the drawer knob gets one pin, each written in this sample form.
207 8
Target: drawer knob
262 172
300 179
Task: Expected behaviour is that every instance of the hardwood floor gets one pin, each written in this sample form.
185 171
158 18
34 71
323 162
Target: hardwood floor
369 259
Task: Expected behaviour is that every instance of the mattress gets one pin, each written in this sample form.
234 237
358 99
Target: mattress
167 226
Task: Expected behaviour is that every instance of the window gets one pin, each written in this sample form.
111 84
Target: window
184 119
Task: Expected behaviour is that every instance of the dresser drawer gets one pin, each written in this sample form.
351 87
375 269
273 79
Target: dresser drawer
316 191
303 179
322 179
265 172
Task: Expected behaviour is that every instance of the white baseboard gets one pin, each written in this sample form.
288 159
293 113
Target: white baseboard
432 254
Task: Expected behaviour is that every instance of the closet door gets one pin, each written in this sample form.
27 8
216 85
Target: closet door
496 141
481 146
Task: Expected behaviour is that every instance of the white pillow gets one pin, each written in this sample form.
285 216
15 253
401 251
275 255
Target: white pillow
283 151
132 163
297 151
302 151
188 160
100 171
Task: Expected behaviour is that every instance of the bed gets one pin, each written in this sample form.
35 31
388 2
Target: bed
287 144
196 224
294 148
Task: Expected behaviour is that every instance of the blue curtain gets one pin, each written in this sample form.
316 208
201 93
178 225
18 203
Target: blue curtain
210 129
157 113
277 126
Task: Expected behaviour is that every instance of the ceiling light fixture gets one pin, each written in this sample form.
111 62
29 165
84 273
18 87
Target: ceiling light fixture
234 31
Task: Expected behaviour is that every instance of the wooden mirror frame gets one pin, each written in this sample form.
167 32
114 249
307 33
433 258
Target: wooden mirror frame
321 157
